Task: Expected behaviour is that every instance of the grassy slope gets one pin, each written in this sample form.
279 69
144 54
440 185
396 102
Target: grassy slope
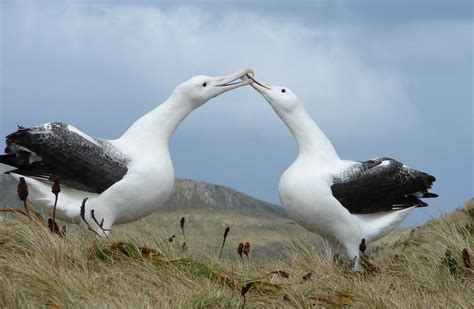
268 235
37 268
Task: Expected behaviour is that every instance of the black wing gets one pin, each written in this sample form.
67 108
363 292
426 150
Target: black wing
56 150
381 184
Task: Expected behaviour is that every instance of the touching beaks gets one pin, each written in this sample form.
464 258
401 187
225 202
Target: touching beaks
258 85
230 81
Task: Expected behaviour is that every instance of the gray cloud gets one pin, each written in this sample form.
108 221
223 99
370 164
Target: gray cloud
380 79
147 51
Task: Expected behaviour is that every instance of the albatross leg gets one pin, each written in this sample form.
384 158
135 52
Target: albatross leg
345 230
353 252
96 221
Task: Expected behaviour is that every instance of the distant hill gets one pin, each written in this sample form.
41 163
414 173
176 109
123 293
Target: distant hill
191 194
8 196
188 195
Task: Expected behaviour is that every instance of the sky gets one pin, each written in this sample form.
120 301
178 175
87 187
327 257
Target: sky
381 78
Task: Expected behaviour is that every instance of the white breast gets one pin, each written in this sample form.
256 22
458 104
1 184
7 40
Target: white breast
306 196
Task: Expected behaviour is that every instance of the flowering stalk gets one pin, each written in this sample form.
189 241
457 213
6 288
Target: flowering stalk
227 229
181 224
22 191
55 189
240 249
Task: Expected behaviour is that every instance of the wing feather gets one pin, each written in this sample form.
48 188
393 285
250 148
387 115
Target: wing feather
57 150
381 184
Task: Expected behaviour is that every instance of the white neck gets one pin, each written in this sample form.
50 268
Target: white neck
310 139
154 130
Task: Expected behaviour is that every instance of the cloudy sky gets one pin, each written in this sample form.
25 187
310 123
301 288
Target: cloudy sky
381 78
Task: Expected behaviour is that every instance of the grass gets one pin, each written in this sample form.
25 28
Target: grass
137 267
205 229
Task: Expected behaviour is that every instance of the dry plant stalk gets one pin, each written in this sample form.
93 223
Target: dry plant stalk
246 249
281 273
244 291
14 210
466 257
22 191
226 232
181 224
53 226
240 249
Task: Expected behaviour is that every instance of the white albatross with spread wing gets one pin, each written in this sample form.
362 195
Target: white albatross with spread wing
347 202
117 181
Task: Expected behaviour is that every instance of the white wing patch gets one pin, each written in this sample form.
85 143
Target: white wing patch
82 134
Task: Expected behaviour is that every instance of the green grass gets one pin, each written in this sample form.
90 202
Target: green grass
137 267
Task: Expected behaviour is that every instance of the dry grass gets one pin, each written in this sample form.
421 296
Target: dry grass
139 268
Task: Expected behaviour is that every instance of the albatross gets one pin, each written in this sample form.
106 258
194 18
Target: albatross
348 203
109 181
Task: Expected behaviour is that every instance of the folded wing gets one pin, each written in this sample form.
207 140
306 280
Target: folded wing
57 150
381 184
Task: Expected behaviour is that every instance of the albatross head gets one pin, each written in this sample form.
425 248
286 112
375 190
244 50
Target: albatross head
282 99
200 89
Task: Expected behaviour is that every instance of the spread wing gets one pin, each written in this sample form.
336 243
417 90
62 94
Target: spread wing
57 150
381 184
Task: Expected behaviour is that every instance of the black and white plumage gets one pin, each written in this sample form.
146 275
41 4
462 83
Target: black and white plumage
109 181
57 150
381 184
348 203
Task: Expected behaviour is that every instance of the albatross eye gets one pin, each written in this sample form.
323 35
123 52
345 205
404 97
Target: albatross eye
283 90
204 84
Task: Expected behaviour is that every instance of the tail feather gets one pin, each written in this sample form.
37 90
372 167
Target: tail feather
19 159
17 154
9 159
425 180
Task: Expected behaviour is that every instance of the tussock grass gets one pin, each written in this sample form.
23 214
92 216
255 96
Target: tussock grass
139 268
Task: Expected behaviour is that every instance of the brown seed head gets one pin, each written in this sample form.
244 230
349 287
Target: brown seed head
22 189
362 246
227 229
246 249
181 222
145 251
56 188
54 228
240 249
466 258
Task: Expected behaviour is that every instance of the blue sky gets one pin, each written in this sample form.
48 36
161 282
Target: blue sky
381 78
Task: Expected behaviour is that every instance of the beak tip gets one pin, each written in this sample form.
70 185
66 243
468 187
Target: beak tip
248 71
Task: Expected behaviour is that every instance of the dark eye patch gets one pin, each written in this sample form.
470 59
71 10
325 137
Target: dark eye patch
204 84
283 90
